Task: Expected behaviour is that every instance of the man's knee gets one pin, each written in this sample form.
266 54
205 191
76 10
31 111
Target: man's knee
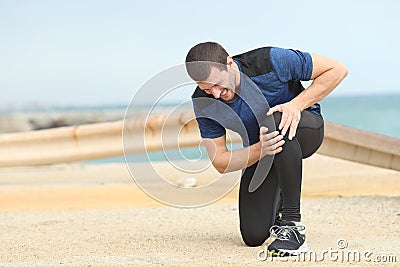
254 238
272 121
277 119
253 241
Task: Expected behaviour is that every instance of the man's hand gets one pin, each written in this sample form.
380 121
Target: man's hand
291 114
271 143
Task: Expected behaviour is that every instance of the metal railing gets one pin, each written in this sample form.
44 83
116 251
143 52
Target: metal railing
104 140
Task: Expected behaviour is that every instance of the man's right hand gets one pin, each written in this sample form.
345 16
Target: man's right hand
271 143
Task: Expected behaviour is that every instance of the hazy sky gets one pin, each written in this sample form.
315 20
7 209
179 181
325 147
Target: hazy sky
101 52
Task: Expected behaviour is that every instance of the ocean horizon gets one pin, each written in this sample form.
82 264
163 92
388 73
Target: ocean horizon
374 113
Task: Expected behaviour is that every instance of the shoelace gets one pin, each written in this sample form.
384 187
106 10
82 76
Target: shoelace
283 232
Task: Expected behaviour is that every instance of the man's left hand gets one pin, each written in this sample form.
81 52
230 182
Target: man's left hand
291 114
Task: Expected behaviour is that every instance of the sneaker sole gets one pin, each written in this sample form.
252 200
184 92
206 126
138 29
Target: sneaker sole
286 252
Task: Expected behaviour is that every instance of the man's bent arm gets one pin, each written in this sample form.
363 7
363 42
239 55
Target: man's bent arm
327 74
228 161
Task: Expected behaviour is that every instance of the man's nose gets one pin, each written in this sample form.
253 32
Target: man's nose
216 92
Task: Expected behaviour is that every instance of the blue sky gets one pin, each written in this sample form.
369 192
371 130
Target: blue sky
101 52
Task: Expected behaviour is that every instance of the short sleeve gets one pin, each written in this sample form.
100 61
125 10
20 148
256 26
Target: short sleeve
289 64
210 128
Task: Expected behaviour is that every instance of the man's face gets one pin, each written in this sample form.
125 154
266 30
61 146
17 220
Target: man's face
220 83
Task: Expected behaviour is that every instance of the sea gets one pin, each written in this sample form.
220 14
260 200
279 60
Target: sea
375 113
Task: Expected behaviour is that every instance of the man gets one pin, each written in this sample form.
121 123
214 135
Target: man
276 73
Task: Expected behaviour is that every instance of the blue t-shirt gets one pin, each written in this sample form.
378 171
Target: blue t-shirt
269 76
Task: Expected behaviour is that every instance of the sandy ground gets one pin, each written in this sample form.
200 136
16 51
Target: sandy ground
94 215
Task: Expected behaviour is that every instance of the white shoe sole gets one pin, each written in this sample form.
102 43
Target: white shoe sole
302 249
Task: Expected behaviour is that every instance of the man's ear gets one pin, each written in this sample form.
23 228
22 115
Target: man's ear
229 61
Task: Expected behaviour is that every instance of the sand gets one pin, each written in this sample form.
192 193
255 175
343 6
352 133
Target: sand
94 215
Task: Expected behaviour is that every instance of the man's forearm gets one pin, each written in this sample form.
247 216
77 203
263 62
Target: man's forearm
238 159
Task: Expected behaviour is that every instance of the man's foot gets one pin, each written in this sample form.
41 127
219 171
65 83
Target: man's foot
290 239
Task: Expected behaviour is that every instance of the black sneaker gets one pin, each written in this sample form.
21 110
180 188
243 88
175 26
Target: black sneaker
290 239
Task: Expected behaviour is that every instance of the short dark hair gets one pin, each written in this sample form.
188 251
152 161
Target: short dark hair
203 53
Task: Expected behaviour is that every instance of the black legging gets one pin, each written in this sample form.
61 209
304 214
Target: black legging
257 210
